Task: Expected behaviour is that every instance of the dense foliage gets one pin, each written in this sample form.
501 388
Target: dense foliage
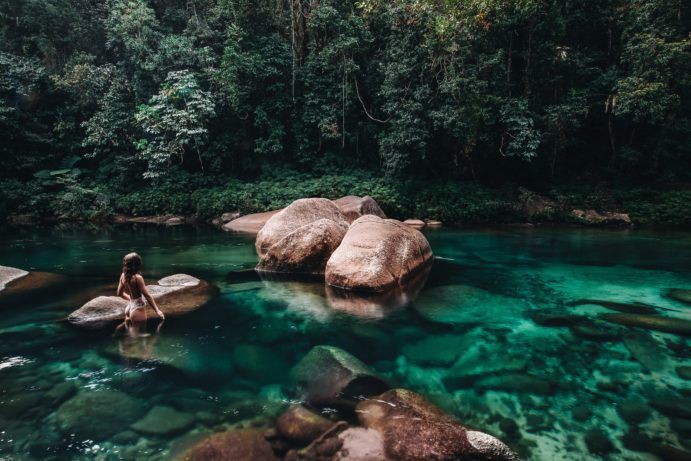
102 99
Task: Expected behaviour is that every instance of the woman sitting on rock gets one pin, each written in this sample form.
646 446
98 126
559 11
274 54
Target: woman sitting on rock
133 289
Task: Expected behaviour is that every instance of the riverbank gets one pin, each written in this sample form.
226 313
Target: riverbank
451 202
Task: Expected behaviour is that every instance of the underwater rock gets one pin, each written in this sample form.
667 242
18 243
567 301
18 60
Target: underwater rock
680 294
672 325
301 425
550 319
598 443
647 351
98 414
235 444
175 295
15 281
353 207
681 426
633 412
684 372
299 213
305 250
629 308
331 375
464 304
259 362
636 441
478 364
60 392
249 224
28 402
412 429
516 382
162 420
672 406
376 255
441 350
595 330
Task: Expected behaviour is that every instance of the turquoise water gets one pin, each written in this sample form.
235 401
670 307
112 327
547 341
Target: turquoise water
498 336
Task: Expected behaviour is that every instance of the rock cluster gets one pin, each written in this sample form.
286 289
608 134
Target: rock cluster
386 424
349 241
175 295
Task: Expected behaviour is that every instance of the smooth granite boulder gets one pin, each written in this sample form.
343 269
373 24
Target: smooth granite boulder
249 224
297 214
354 207
329 375
413 429
305 250
377 255
235 445
175 295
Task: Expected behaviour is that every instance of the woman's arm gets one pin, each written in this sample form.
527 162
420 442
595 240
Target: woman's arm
121 288
147 295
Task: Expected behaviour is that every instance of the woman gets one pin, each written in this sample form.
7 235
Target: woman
133 289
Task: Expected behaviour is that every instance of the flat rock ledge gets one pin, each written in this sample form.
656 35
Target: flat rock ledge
176 295
15 281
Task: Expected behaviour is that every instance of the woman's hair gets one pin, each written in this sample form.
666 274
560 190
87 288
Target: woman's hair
131 265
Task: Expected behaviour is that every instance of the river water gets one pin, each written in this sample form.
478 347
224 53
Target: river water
513 332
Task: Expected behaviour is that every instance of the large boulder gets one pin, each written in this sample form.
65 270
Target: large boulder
297 214
377 254
235 444
354 207
305 250
98 414
249 224
175 295
412 429
329 375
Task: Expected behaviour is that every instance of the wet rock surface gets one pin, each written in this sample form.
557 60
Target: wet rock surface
302 425
236 445
330 375
376 255
175 295
15 282
652 322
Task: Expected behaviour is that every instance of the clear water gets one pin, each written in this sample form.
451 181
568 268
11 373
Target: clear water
469 342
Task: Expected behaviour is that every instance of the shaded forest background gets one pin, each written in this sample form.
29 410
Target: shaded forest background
201 106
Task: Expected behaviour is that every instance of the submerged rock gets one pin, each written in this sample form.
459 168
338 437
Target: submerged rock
360 444
633 412
672 406
353 207
595 330
684 372
305 250
413 429
651 322
441 350
235 445
249 224
98 414
377 255
629 308
294 216
259 363
175 295
516 382
647 351
10 274
598 443
330 375
301 425
680 295
163 421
